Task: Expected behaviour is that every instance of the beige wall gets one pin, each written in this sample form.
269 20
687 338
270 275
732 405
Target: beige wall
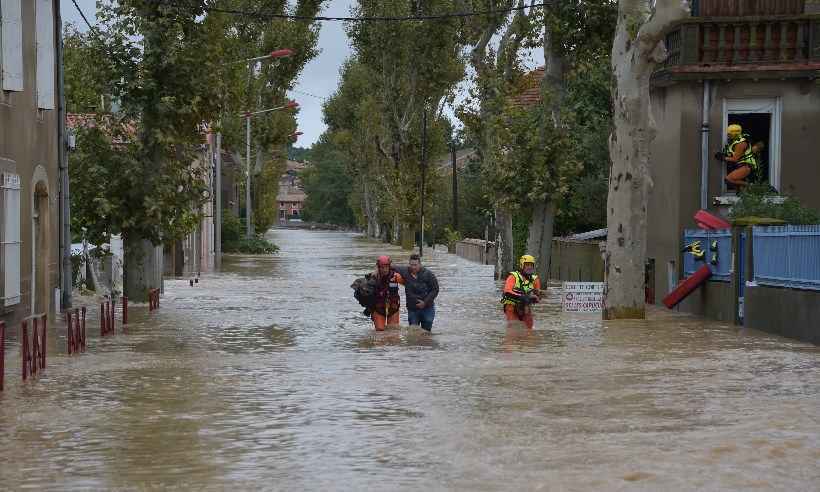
675 161
28 147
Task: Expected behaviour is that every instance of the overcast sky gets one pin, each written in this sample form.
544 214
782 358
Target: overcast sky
319 78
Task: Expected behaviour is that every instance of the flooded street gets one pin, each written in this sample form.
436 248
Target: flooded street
267 376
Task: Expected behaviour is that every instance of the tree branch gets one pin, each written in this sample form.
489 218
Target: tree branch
665 13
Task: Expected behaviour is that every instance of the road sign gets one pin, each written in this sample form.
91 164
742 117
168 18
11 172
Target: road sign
582 297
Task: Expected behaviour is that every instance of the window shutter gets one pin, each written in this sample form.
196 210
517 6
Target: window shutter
45 53
11 39
10 240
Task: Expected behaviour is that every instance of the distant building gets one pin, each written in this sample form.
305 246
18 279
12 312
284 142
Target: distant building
30 249
291 196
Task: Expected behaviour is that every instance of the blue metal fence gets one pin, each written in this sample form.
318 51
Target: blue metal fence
787 256
722 268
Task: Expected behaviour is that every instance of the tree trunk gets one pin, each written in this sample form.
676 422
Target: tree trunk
539 242
634 57
396 239
505 262
143 268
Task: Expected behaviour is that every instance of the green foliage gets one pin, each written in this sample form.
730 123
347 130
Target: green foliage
266 186
232 229
257 245
757 201
328 185
299 154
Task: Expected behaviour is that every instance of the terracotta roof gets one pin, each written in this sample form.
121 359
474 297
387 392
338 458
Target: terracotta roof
92 120
530 94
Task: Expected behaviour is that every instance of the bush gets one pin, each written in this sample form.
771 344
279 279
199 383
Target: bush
757 201
232 229
451 237
254 246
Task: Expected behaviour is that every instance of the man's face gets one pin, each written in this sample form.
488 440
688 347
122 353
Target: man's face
529 268
415 266
384 270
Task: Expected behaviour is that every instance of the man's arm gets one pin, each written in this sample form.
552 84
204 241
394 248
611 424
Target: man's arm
432 284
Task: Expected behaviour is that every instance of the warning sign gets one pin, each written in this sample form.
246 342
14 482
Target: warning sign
583 297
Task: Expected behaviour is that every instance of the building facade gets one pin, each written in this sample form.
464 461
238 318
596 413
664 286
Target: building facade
733 62
30 251
291 197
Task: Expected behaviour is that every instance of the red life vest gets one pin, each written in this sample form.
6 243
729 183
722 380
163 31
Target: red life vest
388 292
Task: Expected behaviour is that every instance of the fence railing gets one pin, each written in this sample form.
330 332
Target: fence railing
33 349
744 40
716 247
787 256
2 353
75 332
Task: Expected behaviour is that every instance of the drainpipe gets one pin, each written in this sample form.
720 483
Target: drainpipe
65 223
704 146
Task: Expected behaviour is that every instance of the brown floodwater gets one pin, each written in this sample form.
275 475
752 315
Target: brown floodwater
267 376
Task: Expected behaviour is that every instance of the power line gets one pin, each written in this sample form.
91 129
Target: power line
271 15
308 94
82 14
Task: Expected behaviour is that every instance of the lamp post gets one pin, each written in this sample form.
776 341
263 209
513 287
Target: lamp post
281 53
248 115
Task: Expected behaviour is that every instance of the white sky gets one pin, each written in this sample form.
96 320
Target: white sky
320 76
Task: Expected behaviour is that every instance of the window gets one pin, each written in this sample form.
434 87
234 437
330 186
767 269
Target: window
10 238
760 119
45 53
11 41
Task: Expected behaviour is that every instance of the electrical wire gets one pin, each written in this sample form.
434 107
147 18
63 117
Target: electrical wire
427 17
82 14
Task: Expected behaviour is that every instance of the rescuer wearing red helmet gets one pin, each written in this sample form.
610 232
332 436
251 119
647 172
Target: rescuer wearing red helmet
388 302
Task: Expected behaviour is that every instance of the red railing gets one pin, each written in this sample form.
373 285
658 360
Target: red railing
33 353
75 335
153 299
107 318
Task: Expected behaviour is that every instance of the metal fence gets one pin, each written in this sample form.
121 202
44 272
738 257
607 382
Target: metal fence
787 256
717 253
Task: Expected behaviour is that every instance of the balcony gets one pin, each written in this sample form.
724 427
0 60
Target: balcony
750 47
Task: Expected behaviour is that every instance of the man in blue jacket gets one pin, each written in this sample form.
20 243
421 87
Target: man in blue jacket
421 289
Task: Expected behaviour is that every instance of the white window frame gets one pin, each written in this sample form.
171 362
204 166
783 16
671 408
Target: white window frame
44 22
764 105
11 45
10 242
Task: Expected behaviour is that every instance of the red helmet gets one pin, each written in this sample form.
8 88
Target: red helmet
383 260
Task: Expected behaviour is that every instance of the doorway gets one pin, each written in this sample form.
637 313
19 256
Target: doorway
760 120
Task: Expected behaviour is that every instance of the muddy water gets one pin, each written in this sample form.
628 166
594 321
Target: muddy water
266 376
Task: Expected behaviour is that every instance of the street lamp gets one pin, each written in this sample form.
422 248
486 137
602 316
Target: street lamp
248 115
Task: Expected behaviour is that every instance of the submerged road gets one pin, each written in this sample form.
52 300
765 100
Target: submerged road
267 376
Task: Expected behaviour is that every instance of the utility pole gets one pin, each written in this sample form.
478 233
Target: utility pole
423 174
248 225
66 283
218 207
248 207
455 189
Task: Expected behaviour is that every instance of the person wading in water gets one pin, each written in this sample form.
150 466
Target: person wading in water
386 310
521 290
421 289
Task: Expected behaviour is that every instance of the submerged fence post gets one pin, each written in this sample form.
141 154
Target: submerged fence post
2 353
24 350
82 339
124 310
43 342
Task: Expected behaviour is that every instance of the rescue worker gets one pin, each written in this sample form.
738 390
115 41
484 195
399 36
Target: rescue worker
739 156
388 302
521 290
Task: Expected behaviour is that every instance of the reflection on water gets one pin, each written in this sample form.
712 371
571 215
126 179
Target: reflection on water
267 375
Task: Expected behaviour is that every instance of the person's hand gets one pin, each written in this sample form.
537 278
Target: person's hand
720 156
420 305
